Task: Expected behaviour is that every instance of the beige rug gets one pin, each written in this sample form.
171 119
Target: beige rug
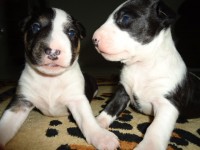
61 133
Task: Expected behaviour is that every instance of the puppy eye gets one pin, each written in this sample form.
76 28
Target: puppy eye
35 27
125 20
71 33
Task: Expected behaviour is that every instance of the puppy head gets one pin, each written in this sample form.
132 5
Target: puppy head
52 40
131 28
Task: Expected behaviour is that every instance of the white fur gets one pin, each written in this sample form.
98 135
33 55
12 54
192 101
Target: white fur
52 96
105 120
58 41
159 71
54 89
150 70
114 44
10 119
45 91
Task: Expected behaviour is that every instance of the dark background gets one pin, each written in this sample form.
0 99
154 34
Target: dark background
91 13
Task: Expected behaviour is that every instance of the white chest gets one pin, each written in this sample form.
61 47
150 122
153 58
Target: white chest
146 84
51 94
49 98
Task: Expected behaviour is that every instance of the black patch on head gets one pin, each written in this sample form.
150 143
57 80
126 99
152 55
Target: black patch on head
75 31
186 96
143 19
37 29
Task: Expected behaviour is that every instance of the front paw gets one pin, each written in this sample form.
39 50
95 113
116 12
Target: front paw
105 140
150 145
104 120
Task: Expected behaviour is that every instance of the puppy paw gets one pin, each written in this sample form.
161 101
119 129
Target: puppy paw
104 120
151 145
105 140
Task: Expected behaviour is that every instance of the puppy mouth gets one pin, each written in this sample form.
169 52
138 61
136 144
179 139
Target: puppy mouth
102 52
106 53
52 65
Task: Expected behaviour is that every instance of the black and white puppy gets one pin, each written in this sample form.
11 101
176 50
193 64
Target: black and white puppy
52 80
154 78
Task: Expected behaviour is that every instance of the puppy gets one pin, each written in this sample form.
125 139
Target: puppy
52 80
154 78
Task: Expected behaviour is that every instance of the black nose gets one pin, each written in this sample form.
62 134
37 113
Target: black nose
95 42
52 54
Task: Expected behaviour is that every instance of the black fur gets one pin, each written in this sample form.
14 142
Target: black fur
19 103
79 33
186 96
34 47
142 21
35 41
118 103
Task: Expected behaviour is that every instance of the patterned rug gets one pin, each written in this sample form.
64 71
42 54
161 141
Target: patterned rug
61 133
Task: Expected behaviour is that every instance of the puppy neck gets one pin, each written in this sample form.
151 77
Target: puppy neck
161 47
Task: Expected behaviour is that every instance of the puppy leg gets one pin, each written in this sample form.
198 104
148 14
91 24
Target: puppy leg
117 104
101 138
158 133
13 118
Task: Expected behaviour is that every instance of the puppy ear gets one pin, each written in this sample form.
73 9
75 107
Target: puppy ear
165 14
81 29
34 7
23 23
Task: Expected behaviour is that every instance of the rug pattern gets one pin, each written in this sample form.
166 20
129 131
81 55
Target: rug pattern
40 132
